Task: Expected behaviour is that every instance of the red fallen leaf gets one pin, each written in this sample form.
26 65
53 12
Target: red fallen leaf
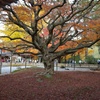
62 86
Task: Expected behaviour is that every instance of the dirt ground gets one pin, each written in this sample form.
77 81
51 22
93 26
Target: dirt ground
67 85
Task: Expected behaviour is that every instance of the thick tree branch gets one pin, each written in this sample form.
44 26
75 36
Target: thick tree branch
17 38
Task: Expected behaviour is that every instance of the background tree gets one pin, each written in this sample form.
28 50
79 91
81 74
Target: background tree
98 44
66 30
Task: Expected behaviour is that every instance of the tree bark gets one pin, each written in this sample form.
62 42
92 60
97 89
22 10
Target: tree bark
49 67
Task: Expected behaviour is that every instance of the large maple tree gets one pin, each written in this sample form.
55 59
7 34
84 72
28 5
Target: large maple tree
55 27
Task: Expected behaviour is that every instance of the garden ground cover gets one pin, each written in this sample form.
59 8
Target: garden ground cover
63 85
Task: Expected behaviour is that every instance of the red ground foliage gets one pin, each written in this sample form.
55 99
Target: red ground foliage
66 85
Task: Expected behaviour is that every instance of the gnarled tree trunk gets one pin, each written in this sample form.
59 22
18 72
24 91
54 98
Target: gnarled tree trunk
48 64
49 67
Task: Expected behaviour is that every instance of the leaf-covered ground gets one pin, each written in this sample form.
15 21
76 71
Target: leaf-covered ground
65 85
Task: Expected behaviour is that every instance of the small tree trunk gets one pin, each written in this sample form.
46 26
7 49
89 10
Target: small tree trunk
1 62
25 61
11 63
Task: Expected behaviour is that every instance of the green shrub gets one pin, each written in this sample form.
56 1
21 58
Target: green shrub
90 60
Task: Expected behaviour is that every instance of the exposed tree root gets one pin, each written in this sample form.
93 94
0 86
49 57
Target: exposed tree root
44 73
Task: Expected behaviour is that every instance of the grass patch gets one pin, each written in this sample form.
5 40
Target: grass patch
48 76
22 69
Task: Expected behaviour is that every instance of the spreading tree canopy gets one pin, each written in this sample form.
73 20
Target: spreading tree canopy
53 27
